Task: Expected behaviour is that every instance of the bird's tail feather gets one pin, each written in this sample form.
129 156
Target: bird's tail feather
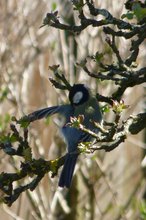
68 170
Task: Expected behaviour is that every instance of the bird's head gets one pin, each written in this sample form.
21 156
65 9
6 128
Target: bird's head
78 94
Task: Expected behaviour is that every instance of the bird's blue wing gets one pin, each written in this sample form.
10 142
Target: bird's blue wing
45 112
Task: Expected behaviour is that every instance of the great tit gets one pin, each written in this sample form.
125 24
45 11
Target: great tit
82 102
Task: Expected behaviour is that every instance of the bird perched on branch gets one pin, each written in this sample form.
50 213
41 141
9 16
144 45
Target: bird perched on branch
81 103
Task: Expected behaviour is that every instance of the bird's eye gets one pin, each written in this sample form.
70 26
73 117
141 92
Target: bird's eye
77 97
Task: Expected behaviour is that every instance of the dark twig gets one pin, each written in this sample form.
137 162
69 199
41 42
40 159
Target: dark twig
112 44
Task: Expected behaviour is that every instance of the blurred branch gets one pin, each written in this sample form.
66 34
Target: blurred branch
112 44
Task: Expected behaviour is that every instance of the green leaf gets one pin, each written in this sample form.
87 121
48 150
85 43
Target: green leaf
54 6
98 57
78 4
142 209
4 138
105 108
3 94
84 146
54 165
139 11
13 138
7 118
24 122
47 121
128 15
118 107
27 154
4 121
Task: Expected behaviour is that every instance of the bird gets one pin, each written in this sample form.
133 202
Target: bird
81 103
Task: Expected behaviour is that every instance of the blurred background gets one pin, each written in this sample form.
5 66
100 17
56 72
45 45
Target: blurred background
105 185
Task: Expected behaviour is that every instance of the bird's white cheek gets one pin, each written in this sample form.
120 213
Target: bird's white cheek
77 97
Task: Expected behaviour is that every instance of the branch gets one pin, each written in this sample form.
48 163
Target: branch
124 78
115 134
135 78
59 77
52 20
108 139
30 167
133 125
